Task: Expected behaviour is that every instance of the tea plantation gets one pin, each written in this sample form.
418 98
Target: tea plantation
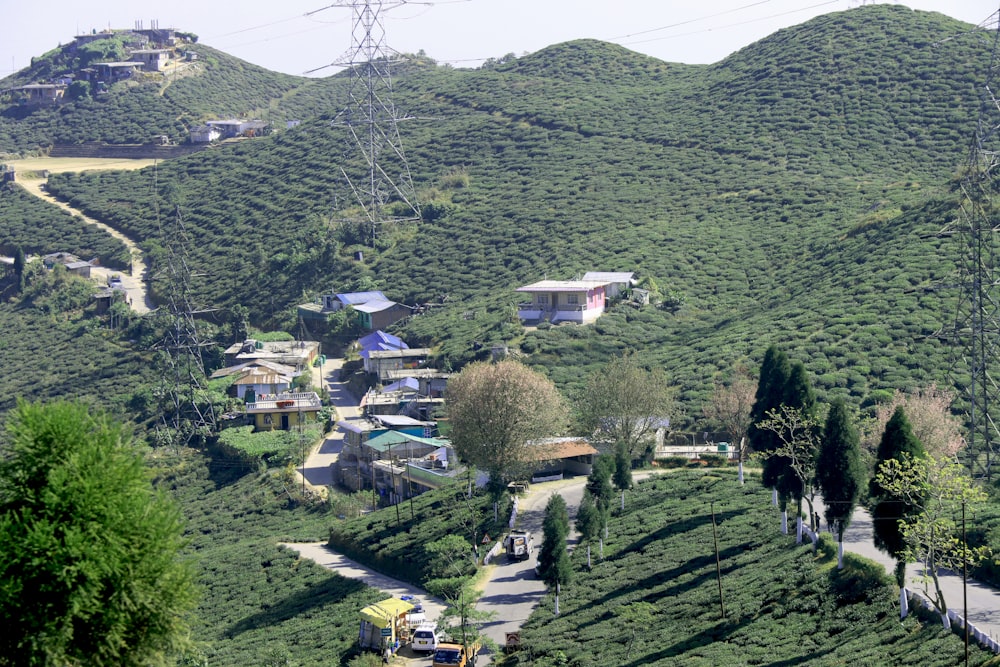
783 605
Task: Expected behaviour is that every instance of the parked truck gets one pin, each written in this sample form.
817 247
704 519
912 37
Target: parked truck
518 545
453 655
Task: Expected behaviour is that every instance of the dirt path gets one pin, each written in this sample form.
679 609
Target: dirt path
134 282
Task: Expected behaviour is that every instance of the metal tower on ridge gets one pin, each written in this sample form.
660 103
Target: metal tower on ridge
371 120
976 337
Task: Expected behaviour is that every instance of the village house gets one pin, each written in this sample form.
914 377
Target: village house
204 134
257 378
238 127
285 411
394 454
379 341
116 71
299 354
41 94
153 60
73 264
379 314
580 301
618 282
380 362
556 457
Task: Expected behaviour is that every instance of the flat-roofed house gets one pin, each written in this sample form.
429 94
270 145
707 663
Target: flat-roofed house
580 301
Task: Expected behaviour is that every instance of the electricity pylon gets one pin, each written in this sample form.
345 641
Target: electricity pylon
976 337
372 122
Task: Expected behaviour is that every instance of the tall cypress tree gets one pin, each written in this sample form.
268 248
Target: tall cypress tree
839 472
898 442
553 561
774 375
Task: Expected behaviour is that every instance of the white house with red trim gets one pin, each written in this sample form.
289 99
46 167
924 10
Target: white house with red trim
580 301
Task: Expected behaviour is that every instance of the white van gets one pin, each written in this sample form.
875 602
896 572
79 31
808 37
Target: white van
424 638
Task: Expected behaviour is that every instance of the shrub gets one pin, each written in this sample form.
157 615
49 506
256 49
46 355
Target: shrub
673 461
714 459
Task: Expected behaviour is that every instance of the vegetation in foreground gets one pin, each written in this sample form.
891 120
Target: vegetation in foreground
654 597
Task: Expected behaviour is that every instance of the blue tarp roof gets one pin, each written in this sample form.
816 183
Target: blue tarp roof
380 340
406 384
355 298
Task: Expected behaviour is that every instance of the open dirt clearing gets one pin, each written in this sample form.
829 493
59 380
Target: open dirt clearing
56 165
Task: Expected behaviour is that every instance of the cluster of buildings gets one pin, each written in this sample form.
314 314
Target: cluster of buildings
149 50
152 50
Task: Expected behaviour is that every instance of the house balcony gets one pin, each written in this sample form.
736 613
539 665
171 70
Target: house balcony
292 402
561 313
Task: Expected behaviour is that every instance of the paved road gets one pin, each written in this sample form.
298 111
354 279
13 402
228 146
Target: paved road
983 601
331 560
317 466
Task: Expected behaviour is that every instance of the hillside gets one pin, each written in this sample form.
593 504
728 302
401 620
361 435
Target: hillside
787 194
141 108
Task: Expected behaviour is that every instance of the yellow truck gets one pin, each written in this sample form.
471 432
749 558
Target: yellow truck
453 655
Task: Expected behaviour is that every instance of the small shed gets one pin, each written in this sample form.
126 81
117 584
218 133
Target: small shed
383 623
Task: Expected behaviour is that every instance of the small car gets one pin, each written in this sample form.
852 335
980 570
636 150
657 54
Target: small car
424 638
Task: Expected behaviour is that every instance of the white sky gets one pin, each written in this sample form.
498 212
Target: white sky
280 36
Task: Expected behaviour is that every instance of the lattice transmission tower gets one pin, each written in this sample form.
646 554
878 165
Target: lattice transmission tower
185 411
384 192
976 337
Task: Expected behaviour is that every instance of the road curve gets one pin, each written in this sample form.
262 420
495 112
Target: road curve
134 282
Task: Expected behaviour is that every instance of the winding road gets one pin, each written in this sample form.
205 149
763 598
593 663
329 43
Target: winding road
30 178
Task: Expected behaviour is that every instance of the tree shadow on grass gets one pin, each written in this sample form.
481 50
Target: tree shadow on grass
717 633
650 584
330 590
675 528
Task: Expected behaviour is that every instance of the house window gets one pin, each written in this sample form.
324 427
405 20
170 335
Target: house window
573 299
543 299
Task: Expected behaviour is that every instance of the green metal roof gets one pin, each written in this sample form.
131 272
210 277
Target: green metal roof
383 442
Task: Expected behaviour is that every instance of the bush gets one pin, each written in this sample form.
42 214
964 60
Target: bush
673 461
714 460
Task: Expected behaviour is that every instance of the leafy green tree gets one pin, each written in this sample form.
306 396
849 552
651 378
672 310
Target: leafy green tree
782 384
623 402
798 435
623 471
553 561
90 570
588 521
898 444
839 471
496 410
936 489
450 565
19 264
729 407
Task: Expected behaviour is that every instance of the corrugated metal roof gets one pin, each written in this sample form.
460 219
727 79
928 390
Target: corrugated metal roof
610 276
564 285
354 298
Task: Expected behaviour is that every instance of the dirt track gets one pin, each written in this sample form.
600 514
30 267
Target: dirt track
58 165
135 283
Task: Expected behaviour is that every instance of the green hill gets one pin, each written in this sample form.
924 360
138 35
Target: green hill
785 193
